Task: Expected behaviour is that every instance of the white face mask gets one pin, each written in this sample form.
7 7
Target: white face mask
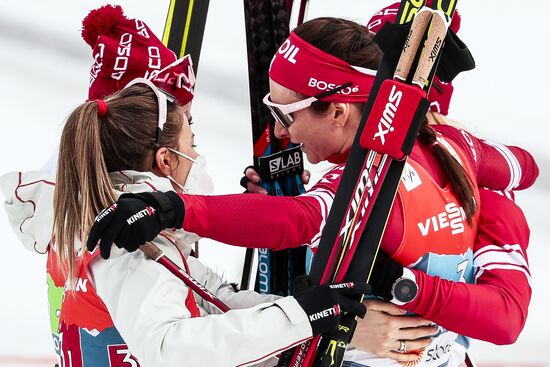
198 181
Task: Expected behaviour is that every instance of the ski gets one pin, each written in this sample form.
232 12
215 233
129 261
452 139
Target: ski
183 34
184 28
363 201
279 163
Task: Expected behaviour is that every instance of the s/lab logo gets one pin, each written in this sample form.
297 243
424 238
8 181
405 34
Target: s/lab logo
283 163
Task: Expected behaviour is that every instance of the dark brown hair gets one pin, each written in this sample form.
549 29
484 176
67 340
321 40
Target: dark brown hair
90 148
344 39
354 44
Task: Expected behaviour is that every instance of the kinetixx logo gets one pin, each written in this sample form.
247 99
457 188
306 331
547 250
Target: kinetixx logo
105 212
341 285
332 311
147 212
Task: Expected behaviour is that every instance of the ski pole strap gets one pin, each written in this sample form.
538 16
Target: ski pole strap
396 115
455 56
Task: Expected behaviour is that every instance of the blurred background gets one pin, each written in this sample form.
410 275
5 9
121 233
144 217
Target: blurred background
44 74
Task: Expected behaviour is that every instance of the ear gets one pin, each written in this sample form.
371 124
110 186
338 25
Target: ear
163 161
340 113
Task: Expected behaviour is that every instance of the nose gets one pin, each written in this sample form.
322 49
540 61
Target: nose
281 132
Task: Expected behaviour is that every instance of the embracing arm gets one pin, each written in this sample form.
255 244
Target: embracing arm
253 220
261 221
147 305
29 207
224 291
497 166
502 289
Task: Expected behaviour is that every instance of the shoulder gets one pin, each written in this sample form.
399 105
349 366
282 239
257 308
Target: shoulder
501 219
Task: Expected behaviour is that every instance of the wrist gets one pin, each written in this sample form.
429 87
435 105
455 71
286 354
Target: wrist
385 272
178 208
405 288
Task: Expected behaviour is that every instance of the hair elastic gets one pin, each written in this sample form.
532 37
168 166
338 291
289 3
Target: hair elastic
101 107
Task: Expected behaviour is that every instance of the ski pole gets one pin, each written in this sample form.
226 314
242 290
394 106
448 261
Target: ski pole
156 254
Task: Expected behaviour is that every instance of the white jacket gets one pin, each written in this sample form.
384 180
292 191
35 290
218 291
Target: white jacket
147 303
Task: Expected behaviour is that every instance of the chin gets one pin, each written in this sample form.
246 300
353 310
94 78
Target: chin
312 159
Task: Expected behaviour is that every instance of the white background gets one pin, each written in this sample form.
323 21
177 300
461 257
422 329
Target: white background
44 66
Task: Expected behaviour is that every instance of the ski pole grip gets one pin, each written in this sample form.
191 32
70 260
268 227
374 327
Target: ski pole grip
412 43
434 44
151 250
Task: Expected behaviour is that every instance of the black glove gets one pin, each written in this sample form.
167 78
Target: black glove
323 304
135 219
385 272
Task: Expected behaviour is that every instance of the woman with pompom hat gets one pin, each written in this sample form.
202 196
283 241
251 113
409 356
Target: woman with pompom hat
132 135
111 35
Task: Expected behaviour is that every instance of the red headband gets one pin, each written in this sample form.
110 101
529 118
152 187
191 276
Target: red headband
305 69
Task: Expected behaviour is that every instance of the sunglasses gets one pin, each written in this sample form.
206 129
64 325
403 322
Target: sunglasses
282 112
163 99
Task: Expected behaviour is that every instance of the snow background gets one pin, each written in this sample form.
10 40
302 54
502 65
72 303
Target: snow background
44 66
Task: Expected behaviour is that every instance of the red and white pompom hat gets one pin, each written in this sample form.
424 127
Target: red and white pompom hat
125 49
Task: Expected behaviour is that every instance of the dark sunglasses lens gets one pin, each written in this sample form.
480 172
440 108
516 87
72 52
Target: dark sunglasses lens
281 118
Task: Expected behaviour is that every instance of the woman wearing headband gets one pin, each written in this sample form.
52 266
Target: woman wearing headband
137 138
494 260
320 79
500 248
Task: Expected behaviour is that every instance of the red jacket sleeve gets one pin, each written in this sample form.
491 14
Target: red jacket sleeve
502 290
497 166
253 220
261 221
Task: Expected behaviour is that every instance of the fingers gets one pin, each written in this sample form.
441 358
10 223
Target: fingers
252 183
306 175
102 221
418 332
252 175
251 180
354 307
412 322
383 306
255 189
302 284
107 239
